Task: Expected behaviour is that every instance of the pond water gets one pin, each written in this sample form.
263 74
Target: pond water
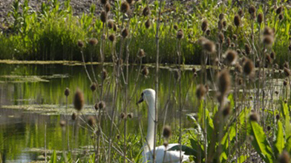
33 104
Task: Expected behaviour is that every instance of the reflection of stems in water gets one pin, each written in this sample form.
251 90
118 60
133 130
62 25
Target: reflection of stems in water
84 64
45 142
67 127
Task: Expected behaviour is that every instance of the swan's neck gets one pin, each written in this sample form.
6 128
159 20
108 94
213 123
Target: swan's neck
149 144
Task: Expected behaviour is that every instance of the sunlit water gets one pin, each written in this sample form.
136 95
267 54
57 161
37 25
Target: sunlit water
22 131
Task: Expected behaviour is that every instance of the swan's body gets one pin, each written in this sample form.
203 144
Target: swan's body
149 96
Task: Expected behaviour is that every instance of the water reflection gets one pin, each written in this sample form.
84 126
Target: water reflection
22 132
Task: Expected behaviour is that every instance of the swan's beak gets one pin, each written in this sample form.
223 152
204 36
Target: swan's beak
140 100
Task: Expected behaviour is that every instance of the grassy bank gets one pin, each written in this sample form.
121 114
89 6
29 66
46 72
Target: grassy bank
52 32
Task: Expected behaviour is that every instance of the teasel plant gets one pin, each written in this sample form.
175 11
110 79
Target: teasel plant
67 93
208 48
157 76
180 36
81 46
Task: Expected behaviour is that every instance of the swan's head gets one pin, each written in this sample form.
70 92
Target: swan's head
148 95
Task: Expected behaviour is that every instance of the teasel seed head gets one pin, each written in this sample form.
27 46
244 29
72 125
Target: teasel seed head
110 24
103 16
269 60
279 10
281 17
209 46
240 12
255 117
141 53
74 116
111 37
287 72
268 40
78 100
146 11
122 115
124 7
276 92
224 82
231 57
221 16
147 24
260 18
268 31
91 121
107 7
130 115
200 91
252 11
167 132
67 92
237 21
103 1
101 105
204 25
175 27
80 44
96 107
239 81
145 71
284 157
248 67
62 123
208 32
180 34
104 74
193 69
93 87
221 37
247 49
124 33
93 41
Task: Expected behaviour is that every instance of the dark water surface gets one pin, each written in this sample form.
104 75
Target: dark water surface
36 92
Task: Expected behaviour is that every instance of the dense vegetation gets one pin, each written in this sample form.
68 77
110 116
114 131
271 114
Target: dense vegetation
52 32
240 114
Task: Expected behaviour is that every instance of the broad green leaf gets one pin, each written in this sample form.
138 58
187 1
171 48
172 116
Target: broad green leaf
260 143
288 144
279 143
232 129
286 117
186 149
54 157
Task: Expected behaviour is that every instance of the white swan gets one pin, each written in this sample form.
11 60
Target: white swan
149 96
